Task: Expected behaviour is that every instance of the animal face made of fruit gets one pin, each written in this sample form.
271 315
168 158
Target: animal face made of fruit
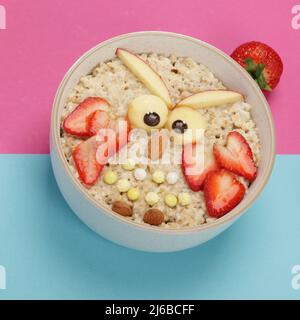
216 176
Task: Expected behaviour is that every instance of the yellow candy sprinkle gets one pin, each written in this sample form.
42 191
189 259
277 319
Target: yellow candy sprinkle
123 185
133 194
158 176
110 177
129 165
171 200
184 198
152 198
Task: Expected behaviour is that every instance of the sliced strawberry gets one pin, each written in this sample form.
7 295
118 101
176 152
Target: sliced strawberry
123 130
96 121
222 192
91 155
236 156
112 139
84 156
76 122
193 169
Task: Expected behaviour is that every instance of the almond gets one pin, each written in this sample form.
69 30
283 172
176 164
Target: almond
122 208
154 217
156 148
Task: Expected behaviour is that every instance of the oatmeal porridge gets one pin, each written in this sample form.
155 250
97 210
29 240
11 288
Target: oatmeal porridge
174 94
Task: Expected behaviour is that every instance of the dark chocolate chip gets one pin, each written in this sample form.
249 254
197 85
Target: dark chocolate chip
179 126
151 119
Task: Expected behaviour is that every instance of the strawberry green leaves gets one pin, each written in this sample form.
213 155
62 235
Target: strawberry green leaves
256 72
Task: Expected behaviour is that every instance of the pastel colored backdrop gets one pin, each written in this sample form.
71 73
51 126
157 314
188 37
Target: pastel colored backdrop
44 38
46 250
49 253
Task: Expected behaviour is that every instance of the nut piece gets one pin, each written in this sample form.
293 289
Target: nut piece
154 217
122 208
156 148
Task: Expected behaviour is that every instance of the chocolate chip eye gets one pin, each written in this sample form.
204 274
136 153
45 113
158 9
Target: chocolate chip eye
151 119
147 112
179 126
186 125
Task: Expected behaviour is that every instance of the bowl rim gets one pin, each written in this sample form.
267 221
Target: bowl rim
233 214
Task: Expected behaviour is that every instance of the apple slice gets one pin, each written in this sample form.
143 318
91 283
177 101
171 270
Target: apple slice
211 98
145 74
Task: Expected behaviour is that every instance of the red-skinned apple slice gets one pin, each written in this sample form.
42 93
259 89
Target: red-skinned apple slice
211 98
145 74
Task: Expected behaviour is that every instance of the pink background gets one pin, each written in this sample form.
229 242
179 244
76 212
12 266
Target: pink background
43 39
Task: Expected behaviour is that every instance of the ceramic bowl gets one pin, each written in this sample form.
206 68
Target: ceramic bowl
140 236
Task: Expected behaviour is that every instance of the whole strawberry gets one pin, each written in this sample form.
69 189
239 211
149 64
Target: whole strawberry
261 61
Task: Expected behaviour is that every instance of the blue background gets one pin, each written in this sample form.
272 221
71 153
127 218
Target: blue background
49 254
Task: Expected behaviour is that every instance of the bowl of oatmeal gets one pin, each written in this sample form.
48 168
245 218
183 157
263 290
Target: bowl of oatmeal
159 141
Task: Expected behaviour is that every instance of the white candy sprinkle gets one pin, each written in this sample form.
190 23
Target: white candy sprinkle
172 177
140 174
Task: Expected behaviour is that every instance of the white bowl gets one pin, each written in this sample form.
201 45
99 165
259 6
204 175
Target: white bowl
113 226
